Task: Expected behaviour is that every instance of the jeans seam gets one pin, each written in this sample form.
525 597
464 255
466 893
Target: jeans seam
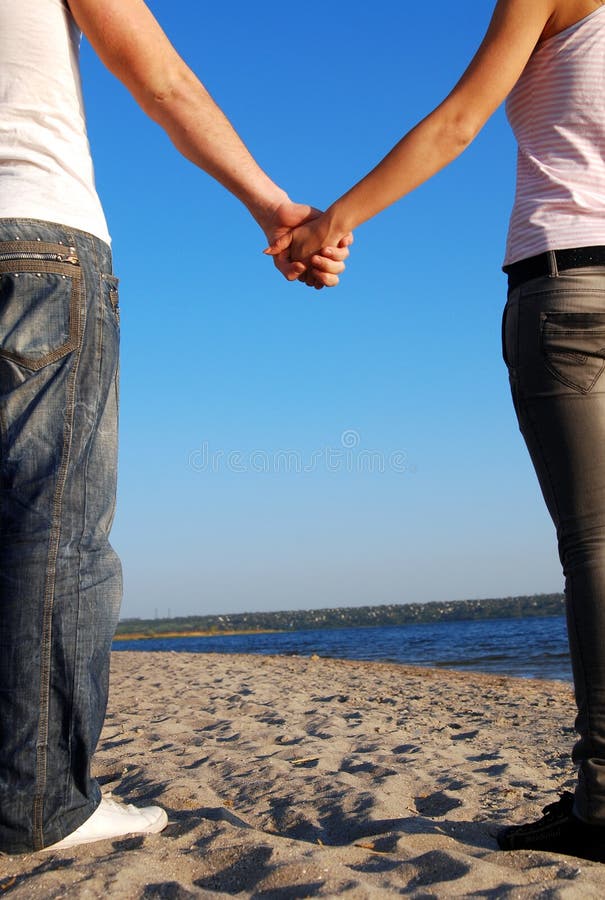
49 589
579 662
100 312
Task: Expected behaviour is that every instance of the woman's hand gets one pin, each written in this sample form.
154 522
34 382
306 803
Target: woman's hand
314 250
279 228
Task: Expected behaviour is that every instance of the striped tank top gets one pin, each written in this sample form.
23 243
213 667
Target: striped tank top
557 113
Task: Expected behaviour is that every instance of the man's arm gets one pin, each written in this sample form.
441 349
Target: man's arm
134 47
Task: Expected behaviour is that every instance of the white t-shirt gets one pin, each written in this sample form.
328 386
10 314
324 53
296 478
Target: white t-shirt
46 168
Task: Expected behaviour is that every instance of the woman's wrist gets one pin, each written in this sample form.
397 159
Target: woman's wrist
337 224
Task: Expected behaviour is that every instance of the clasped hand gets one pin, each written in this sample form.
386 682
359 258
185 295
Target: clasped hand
297 243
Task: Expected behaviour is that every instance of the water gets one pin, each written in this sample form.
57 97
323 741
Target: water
530 648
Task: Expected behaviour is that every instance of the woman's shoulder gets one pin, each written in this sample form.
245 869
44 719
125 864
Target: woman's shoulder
568 13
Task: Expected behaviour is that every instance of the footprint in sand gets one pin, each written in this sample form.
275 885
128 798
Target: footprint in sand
354 767
407 748
437 861
464 735
437 804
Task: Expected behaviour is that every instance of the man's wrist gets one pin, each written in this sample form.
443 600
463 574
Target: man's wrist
263 208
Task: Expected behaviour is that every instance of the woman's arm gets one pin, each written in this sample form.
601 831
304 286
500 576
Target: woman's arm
514 31
133 46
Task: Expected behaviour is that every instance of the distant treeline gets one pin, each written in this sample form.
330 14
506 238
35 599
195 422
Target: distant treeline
355 616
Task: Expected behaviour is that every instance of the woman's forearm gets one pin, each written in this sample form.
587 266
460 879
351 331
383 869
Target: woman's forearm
421 153
424 151
514 31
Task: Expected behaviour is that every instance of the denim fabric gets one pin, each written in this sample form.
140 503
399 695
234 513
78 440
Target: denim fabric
553 332
60 579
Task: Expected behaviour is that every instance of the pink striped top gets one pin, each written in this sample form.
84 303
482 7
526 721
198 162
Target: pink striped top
557 113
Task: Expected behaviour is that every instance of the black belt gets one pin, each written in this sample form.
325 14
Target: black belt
535 266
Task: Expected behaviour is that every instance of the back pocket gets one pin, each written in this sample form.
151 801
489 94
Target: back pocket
40 294
573 345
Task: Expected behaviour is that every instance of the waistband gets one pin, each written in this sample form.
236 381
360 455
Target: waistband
53 232
552 262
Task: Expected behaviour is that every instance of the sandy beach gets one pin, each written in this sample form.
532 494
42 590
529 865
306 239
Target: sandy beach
288 778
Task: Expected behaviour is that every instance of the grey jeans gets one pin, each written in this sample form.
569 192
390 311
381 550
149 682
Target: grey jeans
60 580
553 341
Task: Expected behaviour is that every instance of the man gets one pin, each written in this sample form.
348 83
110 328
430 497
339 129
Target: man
60 580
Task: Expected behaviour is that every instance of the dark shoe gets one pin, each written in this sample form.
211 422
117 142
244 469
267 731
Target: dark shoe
558 831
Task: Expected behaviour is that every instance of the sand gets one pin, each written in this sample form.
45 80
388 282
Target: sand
288 778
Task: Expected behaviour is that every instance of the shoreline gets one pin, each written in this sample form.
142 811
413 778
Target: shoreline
530 675
143 636
288 777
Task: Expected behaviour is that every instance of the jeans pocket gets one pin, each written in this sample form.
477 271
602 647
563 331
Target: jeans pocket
40 294
573 347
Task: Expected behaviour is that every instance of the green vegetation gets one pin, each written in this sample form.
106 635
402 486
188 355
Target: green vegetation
349 617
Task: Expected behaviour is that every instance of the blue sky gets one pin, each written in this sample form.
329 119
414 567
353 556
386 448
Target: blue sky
282 448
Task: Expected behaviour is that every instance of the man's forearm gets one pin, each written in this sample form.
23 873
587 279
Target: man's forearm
134 47
201 132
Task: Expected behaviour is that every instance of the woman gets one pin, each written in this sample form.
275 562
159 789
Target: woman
60 580
548 56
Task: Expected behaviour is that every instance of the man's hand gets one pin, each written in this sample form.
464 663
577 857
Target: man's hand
325 268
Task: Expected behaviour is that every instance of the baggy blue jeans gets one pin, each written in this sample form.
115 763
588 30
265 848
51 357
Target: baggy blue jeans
553 338
60 579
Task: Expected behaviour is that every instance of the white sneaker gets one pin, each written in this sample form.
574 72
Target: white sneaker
110 820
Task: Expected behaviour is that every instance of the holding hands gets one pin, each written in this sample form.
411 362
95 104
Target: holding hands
305 247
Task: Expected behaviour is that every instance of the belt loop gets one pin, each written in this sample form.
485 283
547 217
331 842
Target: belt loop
553 269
